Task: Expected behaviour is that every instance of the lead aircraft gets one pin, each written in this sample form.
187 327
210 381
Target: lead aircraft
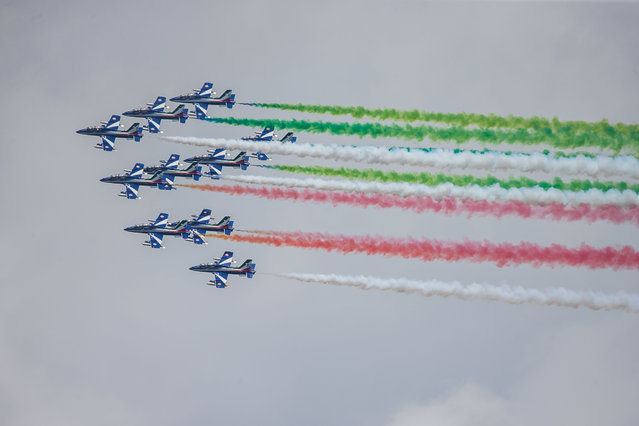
159 229
155 113
135 178
222 267
110 130
201 99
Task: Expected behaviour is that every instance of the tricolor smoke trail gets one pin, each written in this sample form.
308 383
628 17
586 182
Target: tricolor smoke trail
591 197
517 295
458 134
464 119
459 180
558 212
504 254
442 159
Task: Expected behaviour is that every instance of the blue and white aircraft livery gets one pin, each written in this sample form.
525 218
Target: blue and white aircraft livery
135 178
155 113
200 225
216 159
201 99
170 169
110 130
267 135
222 267
159 229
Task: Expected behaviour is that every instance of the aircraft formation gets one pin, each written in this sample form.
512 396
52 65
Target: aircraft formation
163 176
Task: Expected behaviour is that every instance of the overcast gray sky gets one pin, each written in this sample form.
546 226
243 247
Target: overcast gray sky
97 329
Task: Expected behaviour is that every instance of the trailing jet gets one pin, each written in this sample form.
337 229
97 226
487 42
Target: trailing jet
222 268
135 178
110 130
217 159
268 134
159 229
155 113
170 169
200 224
265 135
201 99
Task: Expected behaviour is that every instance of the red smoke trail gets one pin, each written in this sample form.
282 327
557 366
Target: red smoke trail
504 254
559 212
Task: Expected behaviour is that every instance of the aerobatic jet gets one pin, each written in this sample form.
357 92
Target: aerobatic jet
268 134
135 178
221 268
200 225
155 113
110 130
159 229
201 99
170 169
217 159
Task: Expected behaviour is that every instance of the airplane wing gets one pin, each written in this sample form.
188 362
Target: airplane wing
131 191
154 124
226 259
108 143
221 279
215 170
198 236
200 111
155 240
167 182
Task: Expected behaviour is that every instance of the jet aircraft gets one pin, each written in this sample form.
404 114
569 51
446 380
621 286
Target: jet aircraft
201 99
159 229
200 224
135 178
155 113
170 169
268 134
221 268
110 130
217 159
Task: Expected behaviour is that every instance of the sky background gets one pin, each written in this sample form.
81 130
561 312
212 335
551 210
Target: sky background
97 329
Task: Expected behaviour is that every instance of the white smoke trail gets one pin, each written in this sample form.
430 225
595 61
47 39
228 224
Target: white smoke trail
536 195
557 296
443 159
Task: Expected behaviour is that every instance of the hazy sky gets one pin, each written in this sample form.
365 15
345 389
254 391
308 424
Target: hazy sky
97 329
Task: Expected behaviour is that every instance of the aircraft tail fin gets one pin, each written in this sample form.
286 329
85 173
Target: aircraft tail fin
182 112
215 170
198 170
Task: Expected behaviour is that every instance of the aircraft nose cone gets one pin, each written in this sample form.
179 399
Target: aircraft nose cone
128 228
80 131
127 113
104 180
193 268
175 98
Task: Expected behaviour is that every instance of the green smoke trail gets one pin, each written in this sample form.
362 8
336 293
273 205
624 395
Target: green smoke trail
556 154
458 180
459 134
465 119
